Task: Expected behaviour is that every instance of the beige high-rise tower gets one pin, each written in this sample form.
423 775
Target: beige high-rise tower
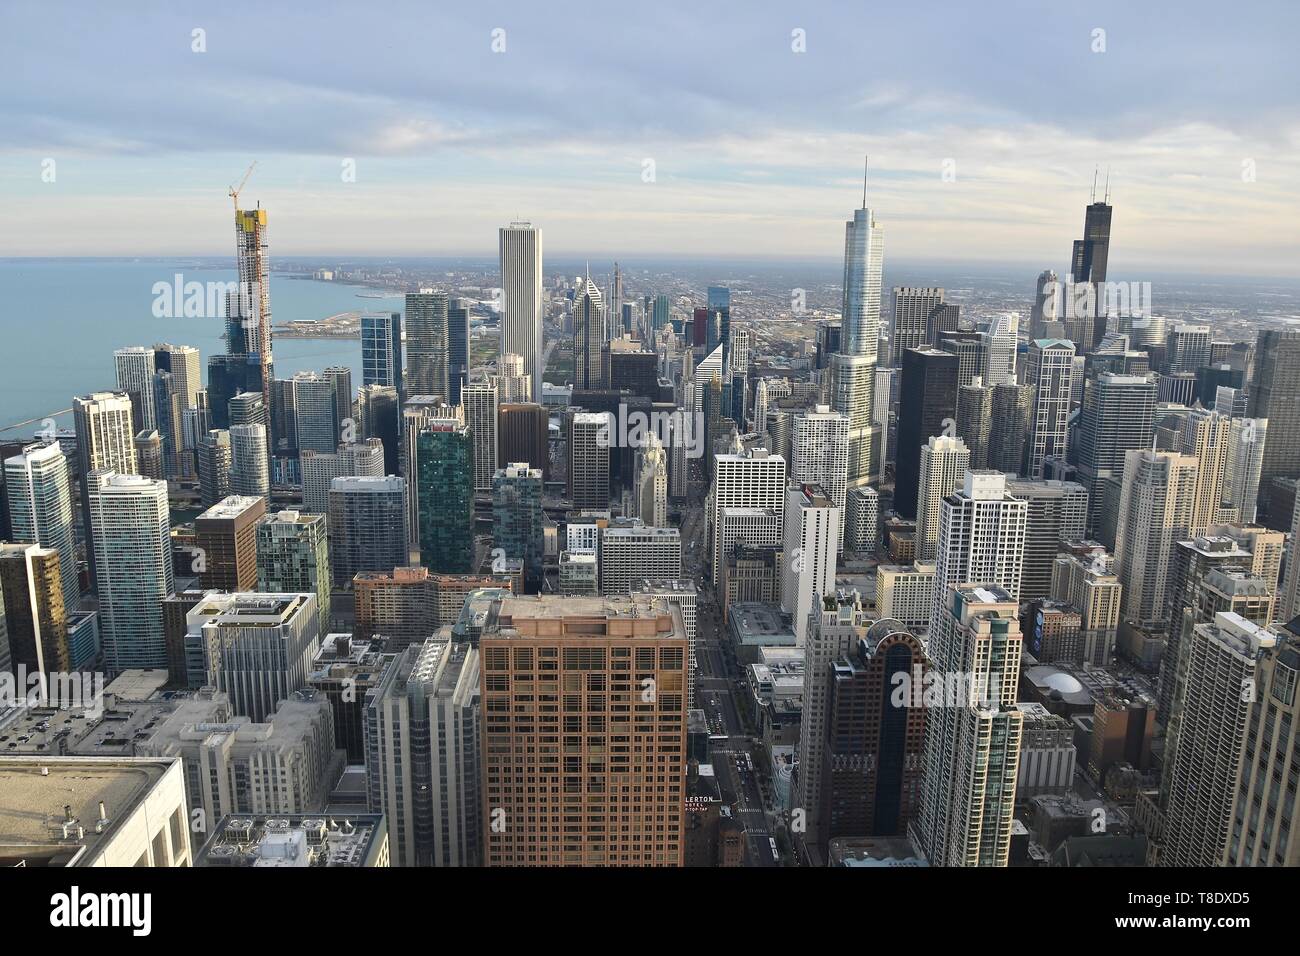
584 731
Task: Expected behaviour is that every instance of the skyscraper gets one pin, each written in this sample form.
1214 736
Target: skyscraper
589 440
981 538
1010 409
754 480
630 657
1275 395
316 408
250 471
40 508
650 486
1206 436
588 321
1088 264
135 371
130 530
31 597
1118 416
972 743
361 459
367 526
944 463
212 459
1045 305
293 558
1156 508
820 452
423 755
853 371
523 307
249 323
912 309
812 540
517 519
428 346
381 349
1000 350
1057 512
480 402
458 338
1048 370
226 536
445 465
927 407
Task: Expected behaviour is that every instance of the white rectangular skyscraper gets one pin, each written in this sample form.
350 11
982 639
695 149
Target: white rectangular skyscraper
522 306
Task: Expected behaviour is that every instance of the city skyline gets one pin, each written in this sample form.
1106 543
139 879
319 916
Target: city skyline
970 154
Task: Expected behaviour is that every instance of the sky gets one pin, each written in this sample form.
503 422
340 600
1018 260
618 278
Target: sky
642 129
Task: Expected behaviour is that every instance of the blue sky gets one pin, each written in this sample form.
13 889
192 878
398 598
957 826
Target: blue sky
756 148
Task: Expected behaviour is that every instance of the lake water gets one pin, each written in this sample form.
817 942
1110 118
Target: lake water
61 319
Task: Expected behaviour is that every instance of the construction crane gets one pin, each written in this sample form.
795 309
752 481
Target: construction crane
236 190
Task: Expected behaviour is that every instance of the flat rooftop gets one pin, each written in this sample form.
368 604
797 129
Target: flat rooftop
35 790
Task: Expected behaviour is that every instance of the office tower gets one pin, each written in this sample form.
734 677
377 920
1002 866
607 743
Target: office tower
719 304
1222 687
811 540
479 400
1088 265
853 370
248 311
589 443
1046 303
517 520
1270 755
378 416
862 520
408 604
523 307
944 463
927 407
31 599
975 422
1187 348
149 455
182 362
293 558
428 345
840 622
1000 350
1156 508
650 486
513 383
284 415
258 647
630 657
458 341
1118 416
874 741
249 468
130 531
523 434
423 752
1011 409
1275 395
359 459
659 316
367 526
446 497
972 750
316 407
905 593
226 536
40 508
820 452
381 349
752 480
340 376
912 309
971 350
135 376
630 552
1206 436
588 321
1049 370
1057 512
981 537
213 459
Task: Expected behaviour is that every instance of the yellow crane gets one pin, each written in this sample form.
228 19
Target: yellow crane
236 190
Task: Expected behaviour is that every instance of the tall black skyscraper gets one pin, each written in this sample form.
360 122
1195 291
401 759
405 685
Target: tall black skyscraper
927 407
1088 264
458 348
